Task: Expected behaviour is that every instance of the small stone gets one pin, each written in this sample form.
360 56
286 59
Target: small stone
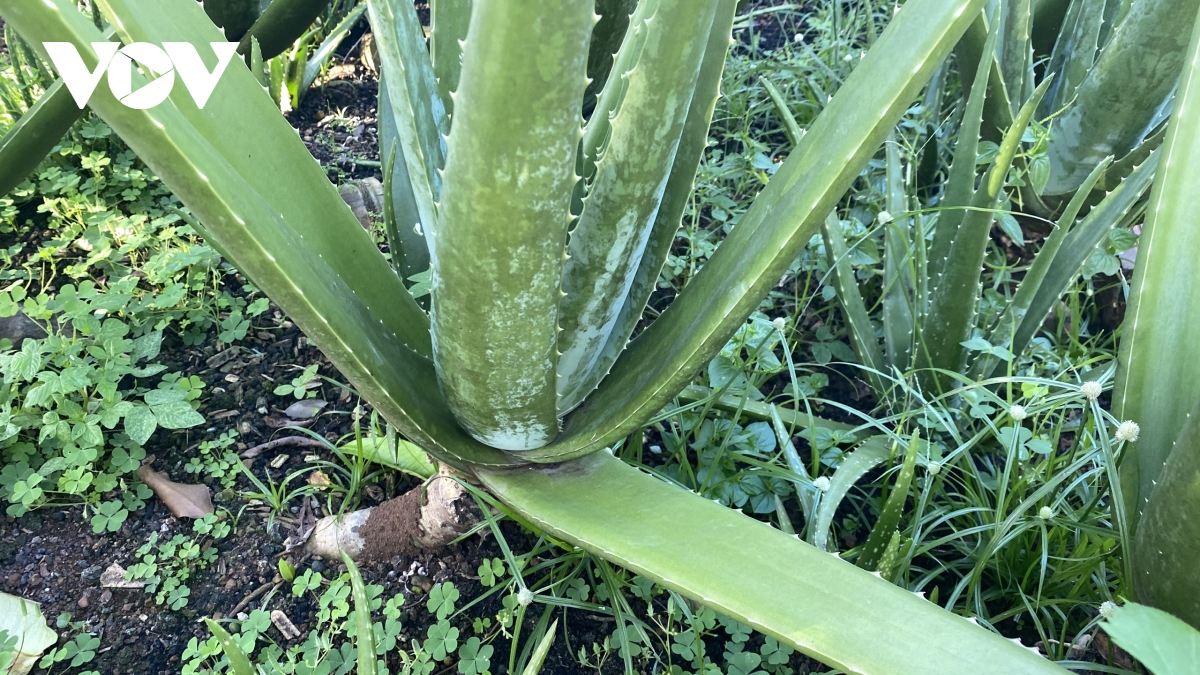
83 602
318 566
106 597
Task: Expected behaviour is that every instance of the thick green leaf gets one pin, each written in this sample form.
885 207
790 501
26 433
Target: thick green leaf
970 52
499 246
899 286
280 25
960 186
1168 535
1158 379
402 216
854 310
606 39
1015 50
868 455
1074 53
692 143
822 606
1061 257
34 136
659 363
626 190
233 17
884 529
1116 103
952 306
224 163
448 22
1163 643
418 113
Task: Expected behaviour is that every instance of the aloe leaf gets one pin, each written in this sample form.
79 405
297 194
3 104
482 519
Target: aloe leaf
448 22
1015 51
952 307
889 518
281 24
1168 535
997 109
499 246
224 163
364 634
606 40
317 60
1074 53
418 114
702 318
692 142
1062 256
1157 386
822 606
1161 642
899 287
960 185
854 311
1118 100
233 17
626 191
239 662
36 134
402 216
868 455
1049 17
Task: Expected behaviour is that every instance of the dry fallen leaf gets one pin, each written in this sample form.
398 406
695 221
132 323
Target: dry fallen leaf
116 577
184 501
23 620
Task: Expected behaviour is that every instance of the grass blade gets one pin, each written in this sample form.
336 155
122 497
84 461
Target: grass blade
824 607
539 655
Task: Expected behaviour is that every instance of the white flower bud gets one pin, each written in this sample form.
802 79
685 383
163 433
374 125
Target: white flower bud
798 38
1045 513
884 218
780 324
1018 413
525 597
821 484
934 468
1106 609
848 58
1091 390
1128 432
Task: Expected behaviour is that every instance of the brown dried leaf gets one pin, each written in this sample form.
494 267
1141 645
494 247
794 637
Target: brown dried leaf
184 501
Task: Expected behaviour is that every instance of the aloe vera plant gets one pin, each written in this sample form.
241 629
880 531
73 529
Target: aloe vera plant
518 200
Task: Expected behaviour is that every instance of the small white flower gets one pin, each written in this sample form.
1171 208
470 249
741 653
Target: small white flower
934 468
798 38
1128 432
1018 413
884 218
1045 513
1106 609
525 597
848 58
1091 390
780 324
821 484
